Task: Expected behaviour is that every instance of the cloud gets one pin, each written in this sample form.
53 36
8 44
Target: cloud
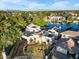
54 6
2 5
34 5
3 0
60 5
76 5
10 4
22 5
10 1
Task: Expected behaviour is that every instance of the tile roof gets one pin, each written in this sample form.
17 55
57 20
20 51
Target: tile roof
71 33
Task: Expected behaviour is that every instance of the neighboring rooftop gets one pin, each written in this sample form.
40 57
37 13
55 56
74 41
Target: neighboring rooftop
70 33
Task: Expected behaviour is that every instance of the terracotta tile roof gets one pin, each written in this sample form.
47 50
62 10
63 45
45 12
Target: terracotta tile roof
73 33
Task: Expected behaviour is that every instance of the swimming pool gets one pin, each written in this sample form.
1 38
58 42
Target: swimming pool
65 26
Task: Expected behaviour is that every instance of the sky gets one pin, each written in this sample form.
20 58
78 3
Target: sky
39 4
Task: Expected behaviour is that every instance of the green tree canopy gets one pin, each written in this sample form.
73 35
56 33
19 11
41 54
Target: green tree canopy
9 32
70 19
40 22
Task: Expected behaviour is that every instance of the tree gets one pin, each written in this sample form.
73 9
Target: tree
9 32
69 19
40 22
2 18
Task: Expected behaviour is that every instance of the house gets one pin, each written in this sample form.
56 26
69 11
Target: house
33 28
68 34
77 18
41 37
55 17
37 38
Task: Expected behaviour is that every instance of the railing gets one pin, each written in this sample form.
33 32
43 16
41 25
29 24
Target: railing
49 56
26 57
49 53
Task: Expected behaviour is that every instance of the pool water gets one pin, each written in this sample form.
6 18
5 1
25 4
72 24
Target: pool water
63 27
